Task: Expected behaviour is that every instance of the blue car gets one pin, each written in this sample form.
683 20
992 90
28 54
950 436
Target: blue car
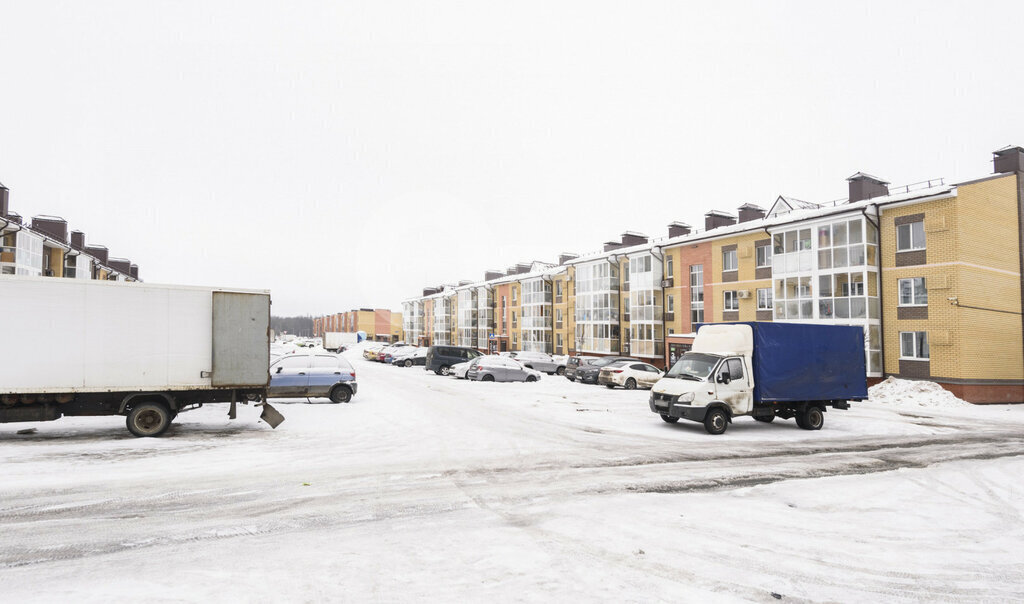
313 375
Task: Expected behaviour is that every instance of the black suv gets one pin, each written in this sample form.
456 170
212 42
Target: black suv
587 372
441 358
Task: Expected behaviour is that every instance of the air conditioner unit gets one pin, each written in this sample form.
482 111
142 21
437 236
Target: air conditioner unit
666 283
743 294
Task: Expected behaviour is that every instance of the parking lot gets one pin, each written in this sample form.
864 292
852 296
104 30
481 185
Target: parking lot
428 487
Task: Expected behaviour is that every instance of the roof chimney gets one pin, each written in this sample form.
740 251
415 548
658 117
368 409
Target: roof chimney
52 226
565 257
865 186
4 200
522 267
492 274
612 245
631 238
121 265
464 282
749 211
13 217
134 272
715 219
1008 159
98 252
678 229
77 240
429 291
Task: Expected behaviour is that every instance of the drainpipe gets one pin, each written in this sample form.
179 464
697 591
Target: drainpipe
881 301
547 279
664 329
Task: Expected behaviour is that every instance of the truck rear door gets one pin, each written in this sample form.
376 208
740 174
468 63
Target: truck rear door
241 339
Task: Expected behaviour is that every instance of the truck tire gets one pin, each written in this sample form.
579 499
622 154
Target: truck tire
668 419
149 419
630 384
811 418
341 394
716 421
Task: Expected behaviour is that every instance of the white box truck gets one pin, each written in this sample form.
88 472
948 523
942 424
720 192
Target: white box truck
148 352
339 341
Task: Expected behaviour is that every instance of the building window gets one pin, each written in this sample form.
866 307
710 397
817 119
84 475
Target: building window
730 302
625 309
764 298
697 293
670 304
515 295
514 318
913 292
910 236
764 256
914 345
558 288
558 315
669 272
558 340
729 260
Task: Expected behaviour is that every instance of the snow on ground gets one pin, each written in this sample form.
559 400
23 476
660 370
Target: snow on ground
432 488
919 393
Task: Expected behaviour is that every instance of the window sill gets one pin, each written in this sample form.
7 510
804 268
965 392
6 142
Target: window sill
911 306
915 359
916 249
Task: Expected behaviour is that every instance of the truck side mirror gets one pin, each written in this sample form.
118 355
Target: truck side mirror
724 378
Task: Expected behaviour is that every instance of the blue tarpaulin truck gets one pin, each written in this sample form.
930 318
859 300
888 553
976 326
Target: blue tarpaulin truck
764 370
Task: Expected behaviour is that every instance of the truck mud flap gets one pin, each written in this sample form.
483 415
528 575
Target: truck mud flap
271 415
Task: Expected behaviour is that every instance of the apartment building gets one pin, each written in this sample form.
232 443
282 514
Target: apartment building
932 273
44 247
378 324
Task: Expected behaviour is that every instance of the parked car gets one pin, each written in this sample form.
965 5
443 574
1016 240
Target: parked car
371 350
460 370
588 373
495 368
384 356
573 363
541 362
441 358
629 375
313 375
409 356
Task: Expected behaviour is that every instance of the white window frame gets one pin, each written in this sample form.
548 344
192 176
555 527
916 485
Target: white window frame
913 244
670 303
730 255
669 267
918 346
730 301
769 305
767 256
913 292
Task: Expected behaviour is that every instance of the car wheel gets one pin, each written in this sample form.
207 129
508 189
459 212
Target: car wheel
487 378
341 394
668 419
630 384
531 378
560 371
408 363
716 421
444 370
149 419
813 418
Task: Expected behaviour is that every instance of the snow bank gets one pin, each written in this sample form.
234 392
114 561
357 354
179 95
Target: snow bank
917 393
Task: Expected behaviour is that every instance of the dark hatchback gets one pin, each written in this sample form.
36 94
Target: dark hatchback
587 372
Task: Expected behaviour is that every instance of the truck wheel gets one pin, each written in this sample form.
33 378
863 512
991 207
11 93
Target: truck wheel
766 420
813 418
560 371
444 370
630 384
341 394
149 419
716 421
668 419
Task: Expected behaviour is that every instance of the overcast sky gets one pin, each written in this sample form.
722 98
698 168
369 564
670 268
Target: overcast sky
347 154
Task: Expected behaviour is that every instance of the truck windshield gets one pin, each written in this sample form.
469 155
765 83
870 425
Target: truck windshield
694 365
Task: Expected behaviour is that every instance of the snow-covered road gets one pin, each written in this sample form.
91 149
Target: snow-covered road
433 488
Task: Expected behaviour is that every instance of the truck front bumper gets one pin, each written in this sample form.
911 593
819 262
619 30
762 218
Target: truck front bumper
679 410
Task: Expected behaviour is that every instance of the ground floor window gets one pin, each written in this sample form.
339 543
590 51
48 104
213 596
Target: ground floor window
914 345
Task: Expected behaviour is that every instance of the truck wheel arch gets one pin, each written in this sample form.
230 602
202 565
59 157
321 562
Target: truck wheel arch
141 397
723 406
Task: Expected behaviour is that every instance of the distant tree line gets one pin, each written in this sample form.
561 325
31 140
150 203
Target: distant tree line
300 326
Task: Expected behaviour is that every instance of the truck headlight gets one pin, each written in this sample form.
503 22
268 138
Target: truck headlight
686 397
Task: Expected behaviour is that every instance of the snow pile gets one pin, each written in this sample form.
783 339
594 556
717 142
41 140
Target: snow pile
918 393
